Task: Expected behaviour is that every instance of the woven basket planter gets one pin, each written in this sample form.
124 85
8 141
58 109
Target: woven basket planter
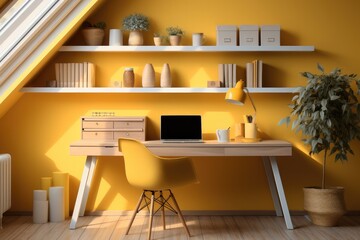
324 206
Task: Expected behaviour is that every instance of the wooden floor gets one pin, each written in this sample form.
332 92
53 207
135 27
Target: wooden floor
201 227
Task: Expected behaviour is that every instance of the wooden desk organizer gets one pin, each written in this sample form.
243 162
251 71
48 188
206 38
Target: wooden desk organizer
112 128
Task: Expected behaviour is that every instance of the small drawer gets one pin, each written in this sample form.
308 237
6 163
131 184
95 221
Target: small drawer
129 124
98 124
136 135
97 135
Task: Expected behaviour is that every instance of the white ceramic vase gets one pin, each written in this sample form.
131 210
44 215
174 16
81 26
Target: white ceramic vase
148 76
136 38
115 37
165 78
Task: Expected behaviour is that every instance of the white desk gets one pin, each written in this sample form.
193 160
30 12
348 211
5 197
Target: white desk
267 149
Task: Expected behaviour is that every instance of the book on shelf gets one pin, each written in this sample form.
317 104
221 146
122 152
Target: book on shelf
75 74
227 75
254 74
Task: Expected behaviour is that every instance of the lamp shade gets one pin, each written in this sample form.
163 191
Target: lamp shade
236 95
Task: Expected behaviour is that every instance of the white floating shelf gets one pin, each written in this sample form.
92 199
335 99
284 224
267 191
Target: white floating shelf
187 49
149 90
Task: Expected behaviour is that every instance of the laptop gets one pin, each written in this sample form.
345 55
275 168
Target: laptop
181 128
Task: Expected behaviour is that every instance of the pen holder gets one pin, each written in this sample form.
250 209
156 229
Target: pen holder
250 130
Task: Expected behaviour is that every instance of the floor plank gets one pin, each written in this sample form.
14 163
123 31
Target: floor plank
201 228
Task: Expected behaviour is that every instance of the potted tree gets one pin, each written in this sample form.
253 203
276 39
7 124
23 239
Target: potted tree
175 34
327 112
94 33
136 23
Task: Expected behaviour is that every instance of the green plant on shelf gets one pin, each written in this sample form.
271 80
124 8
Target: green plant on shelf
136 22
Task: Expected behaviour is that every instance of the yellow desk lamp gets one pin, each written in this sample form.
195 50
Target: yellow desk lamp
237 96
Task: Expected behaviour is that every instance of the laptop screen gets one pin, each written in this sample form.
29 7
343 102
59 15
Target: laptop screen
180 127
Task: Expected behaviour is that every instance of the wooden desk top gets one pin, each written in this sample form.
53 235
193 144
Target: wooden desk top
207 148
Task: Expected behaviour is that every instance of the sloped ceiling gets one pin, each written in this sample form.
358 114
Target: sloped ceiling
46 50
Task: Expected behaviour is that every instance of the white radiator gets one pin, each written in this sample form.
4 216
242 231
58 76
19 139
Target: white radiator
5 184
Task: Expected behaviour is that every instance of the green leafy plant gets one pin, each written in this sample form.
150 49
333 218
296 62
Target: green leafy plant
101 25
136 22
175 31
327 112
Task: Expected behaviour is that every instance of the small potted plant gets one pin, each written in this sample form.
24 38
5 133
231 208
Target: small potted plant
93 33
136 23
157 39
175 34
327 113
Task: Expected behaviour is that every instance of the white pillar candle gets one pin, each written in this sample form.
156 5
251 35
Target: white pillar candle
40 195
57 206
40 211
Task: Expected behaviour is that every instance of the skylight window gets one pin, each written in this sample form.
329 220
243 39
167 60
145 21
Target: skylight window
20 19
10 12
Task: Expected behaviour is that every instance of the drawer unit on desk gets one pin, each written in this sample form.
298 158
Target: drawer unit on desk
88 134
130 134
112 128
97 124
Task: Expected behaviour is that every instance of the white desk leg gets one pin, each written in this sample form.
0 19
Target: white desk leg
273 191
88 184
84 189
280 189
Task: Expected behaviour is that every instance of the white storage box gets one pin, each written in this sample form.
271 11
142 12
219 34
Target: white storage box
249 35
226 35
270 35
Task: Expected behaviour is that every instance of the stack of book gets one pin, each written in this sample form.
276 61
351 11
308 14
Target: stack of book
227 75
254 74
80 75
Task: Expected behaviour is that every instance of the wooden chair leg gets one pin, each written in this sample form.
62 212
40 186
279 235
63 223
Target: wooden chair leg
180 214
163 209
151 214
135 212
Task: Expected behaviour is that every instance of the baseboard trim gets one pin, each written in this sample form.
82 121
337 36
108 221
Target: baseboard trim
195 213
186 212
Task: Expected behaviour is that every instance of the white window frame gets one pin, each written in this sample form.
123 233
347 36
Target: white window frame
38 39
18 27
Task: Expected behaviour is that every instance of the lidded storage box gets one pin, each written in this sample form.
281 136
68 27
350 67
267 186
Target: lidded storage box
249 35
226 35
270 35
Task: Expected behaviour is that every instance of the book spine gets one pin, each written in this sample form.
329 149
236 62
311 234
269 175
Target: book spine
57 74
85 83
221 75
249 75
260 73
234 75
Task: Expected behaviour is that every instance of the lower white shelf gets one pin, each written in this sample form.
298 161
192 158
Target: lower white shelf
150 90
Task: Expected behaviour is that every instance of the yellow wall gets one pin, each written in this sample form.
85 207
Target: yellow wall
37 131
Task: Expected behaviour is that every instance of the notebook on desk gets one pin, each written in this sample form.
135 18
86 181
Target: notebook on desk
181 128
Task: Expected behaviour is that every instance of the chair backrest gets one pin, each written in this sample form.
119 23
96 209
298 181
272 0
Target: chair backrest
143 169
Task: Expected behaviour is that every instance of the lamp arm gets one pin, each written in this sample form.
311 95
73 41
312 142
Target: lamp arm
252 103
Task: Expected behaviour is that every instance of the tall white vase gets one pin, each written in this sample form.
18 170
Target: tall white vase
165 78
148 76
